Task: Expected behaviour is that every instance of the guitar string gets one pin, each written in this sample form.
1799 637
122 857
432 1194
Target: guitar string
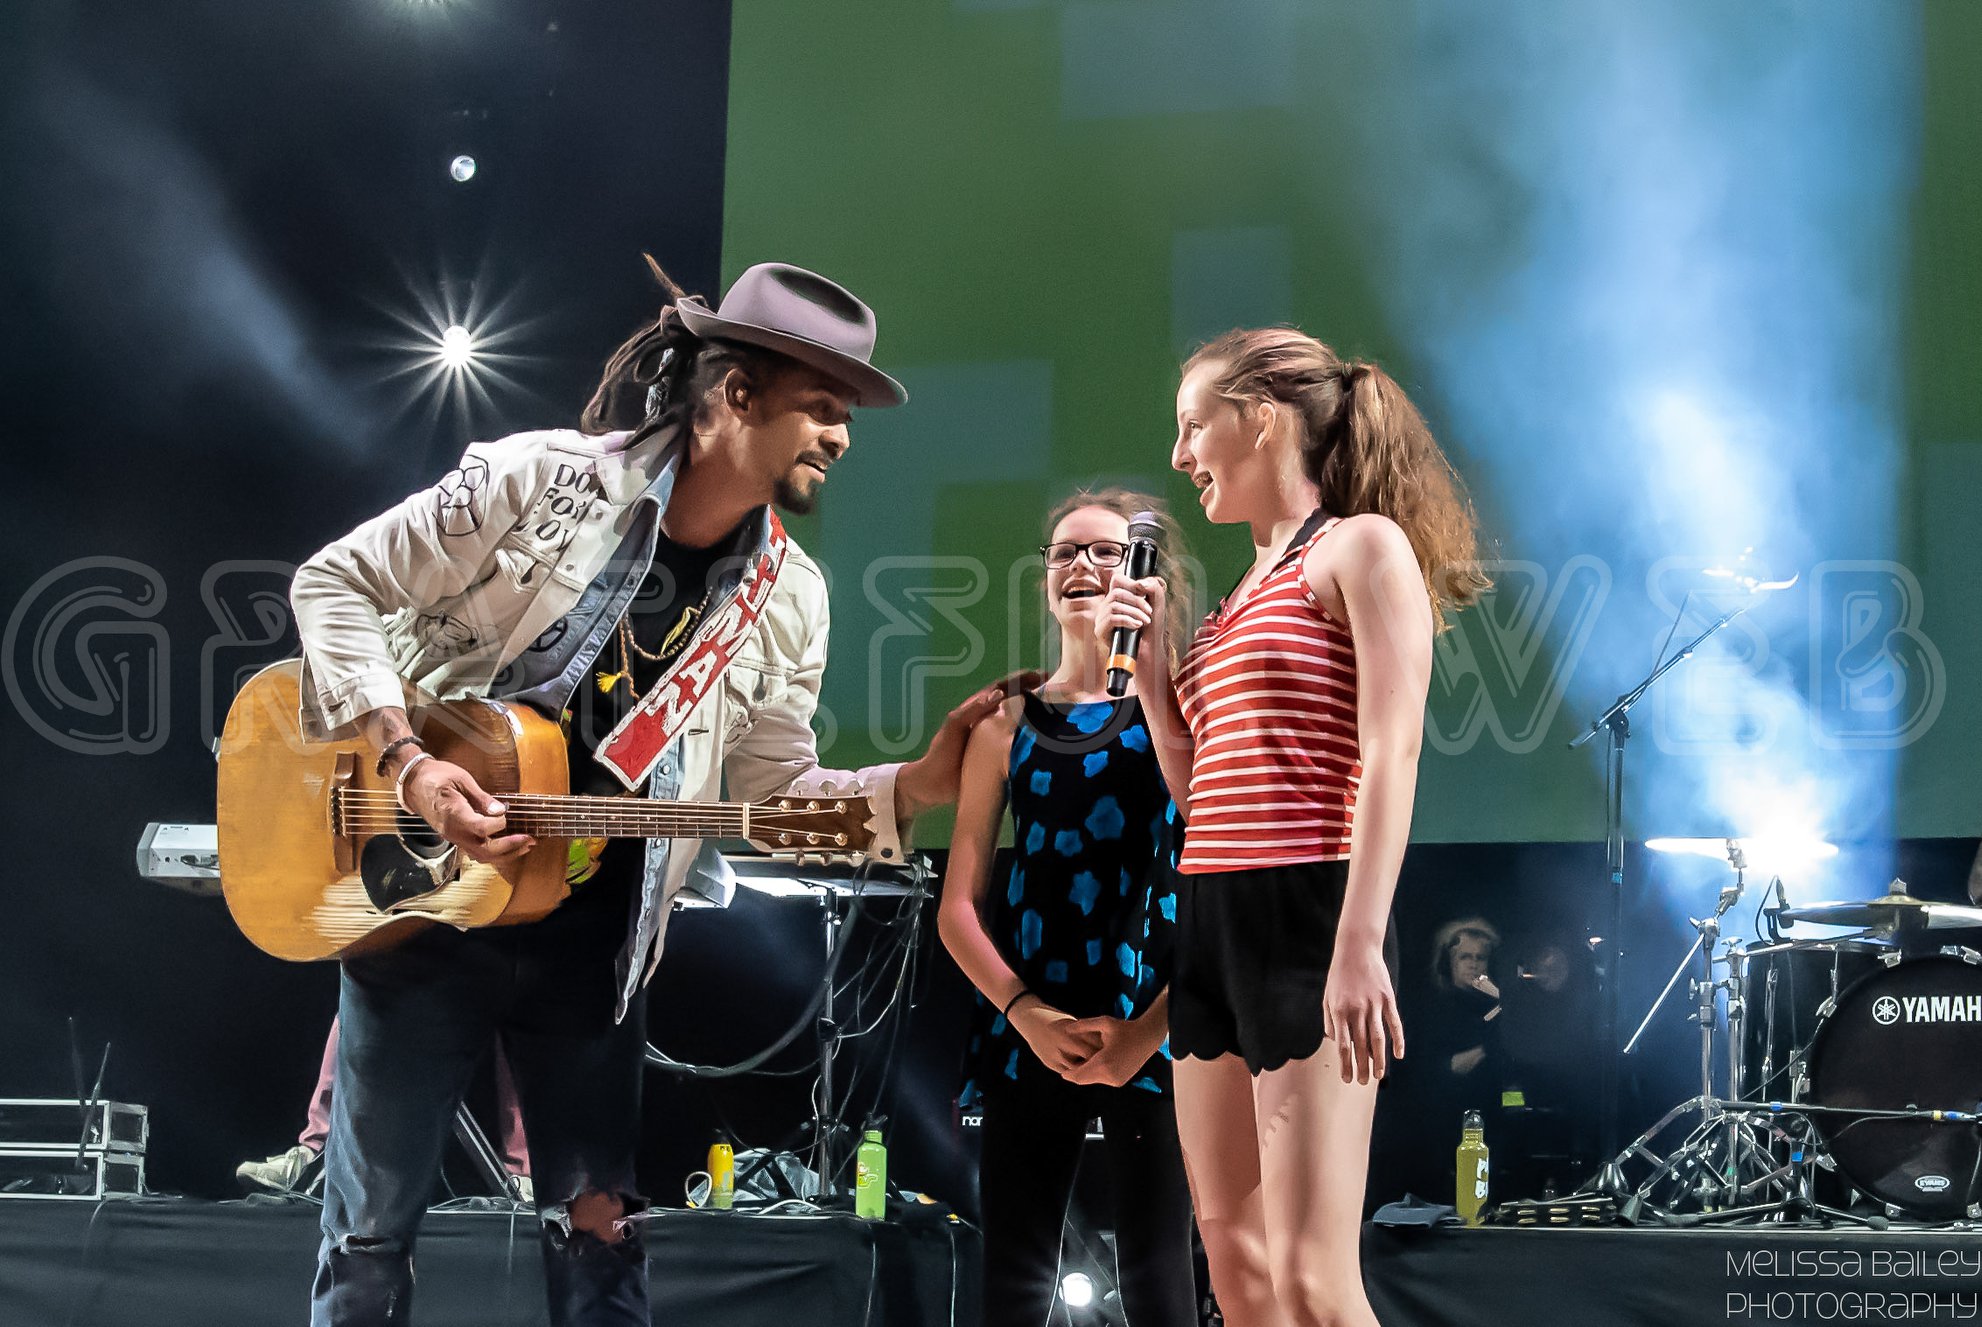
380 797
565 816
362 801
671 813
576 826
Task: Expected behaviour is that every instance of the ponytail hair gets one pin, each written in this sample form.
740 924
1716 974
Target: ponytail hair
1364 445
663 374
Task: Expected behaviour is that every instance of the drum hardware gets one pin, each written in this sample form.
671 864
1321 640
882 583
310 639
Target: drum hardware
1727 1158
1884 1091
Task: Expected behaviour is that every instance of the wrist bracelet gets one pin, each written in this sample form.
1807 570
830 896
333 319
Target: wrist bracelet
399 787
1006 1012
392 746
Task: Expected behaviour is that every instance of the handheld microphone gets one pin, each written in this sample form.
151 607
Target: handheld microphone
1138 563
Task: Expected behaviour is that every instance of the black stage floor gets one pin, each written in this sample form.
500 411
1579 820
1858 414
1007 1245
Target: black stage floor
166 1262
1672 1278
163 1262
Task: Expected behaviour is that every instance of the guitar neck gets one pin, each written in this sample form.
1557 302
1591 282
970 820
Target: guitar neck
838 825
625 818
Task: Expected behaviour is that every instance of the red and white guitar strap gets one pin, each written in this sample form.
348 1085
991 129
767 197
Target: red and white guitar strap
633 748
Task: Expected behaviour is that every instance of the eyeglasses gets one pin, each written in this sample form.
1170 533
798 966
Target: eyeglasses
1100 553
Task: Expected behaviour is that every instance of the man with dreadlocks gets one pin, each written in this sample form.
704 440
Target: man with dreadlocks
633 579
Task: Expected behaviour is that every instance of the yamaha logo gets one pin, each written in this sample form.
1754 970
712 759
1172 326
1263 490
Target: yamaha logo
1887 1009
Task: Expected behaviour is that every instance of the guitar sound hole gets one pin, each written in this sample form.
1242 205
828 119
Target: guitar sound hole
421 837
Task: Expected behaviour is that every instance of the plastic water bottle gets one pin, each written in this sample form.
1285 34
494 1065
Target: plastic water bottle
1472 1168
870 1185
722 1173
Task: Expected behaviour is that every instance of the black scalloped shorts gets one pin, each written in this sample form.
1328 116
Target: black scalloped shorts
1253 949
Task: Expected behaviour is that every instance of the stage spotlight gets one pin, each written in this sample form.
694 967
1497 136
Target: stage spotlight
462 168
1761 852
1077 1288
457 347
457 343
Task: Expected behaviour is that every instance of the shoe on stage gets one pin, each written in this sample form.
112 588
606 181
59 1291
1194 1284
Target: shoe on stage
284 1172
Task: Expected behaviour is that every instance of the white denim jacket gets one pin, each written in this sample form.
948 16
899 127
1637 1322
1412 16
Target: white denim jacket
506 579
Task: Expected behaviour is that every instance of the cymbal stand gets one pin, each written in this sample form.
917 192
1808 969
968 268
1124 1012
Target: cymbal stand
1725 1159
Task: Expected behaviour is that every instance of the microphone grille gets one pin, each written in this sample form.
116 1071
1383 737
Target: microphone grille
1146 525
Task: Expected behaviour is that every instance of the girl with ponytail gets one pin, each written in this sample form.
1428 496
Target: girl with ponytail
1289 736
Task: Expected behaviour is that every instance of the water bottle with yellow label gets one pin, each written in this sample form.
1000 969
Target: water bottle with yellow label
722 1173
1472 1168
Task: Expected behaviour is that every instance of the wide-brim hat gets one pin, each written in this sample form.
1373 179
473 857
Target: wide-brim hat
803 315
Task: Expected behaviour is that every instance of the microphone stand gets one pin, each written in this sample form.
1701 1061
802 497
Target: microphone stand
1615 723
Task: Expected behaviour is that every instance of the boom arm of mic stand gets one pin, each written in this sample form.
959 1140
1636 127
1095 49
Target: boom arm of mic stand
1610 1179
1622 705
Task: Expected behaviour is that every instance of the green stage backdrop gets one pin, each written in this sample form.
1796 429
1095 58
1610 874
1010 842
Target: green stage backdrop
1049 202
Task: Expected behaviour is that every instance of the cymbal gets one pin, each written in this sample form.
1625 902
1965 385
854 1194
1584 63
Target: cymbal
1888 912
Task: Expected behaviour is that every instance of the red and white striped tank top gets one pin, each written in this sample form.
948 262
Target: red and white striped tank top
1269 691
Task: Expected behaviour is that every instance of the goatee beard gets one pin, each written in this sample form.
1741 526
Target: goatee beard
790 496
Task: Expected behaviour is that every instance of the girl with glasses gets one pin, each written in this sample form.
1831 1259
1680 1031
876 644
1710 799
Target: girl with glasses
1290 734
1070 954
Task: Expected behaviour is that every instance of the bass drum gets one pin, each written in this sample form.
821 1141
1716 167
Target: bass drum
1791 986
1905 1038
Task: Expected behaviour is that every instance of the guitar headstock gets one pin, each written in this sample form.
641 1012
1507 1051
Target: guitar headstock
828 830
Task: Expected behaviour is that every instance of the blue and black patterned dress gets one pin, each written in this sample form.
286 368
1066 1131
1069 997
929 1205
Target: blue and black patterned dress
1087 917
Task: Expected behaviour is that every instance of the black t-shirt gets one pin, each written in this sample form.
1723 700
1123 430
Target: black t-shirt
664 616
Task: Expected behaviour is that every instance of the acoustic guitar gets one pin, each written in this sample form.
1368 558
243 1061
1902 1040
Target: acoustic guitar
318 861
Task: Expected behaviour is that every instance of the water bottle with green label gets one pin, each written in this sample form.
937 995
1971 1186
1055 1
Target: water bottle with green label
1472 1168
870 1185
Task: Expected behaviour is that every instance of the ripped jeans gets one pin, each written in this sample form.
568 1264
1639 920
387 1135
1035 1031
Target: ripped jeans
416 1020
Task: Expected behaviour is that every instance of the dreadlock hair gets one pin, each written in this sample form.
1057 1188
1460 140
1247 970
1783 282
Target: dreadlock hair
662 375
1364 445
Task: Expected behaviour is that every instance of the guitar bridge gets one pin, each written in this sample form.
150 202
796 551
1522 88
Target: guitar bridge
343 845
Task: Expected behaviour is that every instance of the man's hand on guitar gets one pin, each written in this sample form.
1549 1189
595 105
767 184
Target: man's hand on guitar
448 798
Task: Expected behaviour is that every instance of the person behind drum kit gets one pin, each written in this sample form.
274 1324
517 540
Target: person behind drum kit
1459 1037
1071 955
1455 1065
1290 735
572 570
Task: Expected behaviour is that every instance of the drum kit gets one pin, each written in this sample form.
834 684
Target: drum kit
1850 1066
